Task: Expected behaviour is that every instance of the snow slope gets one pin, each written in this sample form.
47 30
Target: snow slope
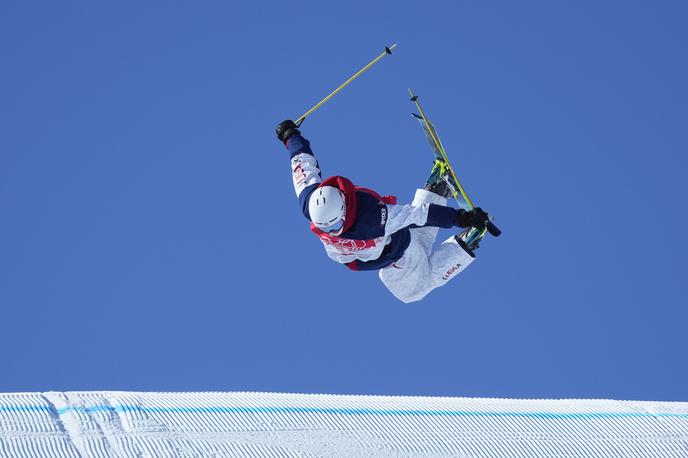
130 424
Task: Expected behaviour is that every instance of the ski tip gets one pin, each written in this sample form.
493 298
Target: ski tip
414 97
493 230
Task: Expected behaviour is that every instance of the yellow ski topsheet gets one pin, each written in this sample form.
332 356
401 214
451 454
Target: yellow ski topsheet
436 144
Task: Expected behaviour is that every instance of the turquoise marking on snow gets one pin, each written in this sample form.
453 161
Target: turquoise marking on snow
381 412
342 411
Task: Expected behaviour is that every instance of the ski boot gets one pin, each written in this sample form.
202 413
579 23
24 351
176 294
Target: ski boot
441 181
470 239
477 224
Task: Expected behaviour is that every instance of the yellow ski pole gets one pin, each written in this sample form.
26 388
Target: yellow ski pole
388 50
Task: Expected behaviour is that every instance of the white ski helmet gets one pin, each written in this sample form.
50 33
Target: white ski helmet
327 209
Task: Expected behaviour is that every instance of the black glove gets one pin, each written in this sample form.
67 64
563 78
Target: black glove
286 129
474 218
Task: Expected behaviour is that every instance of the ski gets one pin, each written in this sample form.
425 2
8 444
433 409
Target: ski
460 195
431 133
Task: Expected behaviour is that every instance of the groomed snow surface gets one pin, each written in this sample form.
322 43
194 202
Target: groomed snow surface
129 424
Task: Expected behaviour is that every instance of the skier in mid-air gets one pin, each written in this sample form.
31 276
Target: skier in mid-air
366 231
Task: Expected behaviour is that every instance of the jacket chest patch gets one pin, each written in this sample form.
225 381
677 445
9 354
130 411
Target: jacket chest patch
348 245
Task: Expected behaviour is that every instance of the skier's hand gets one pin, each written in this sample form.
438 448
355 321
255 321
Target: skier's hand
474 218
286 129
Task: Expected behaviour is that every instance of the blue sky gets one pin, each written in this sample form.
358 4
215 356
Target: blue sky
150 238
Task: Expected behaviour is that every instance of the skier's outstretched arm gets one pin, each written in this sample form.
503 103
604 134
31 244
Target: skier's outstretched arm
403 216
434 215
304 167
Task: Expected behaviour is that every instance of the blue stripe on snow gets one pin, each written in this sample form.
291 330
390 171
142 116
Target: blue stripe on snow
345 411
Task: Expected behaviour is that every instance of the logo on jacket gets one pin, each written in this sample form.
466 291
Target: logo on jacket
348 246
451 272
298 173
383 216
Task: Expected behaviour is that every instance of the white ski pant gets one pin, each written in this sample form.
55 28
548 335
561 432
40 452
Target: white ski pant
420 269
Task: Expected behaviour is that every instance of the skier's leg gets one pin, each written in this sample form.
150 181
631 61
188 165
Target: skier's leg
412 277
408 277
447 261
426 235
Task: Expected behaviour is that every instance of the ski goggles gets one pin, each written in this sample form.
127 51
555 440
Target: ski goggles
333 227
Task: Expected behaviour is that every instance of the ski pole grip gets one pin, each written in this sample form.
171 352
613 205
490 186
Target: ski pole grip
492 229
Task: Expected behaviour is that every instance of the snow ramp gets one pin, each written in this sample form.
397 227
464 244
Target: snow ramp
131 424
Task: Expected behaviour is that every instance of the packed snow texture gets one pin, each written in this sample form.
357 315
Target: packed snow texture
129 424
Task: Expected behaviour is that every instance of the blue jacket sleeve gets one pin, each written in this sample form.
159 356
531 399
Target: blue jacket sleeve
438 216
441 216
298 145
